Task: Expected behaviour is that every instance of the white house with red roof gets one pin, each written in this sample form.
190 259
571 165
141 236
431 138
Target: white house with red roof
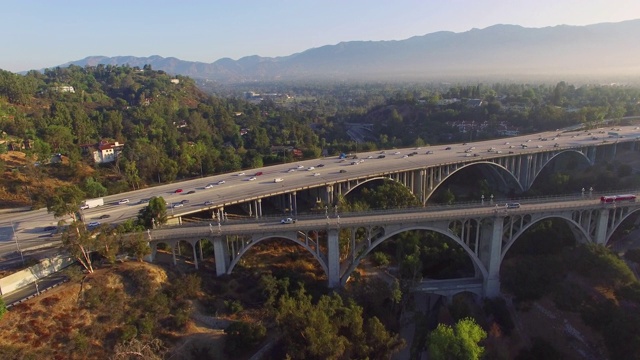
106 152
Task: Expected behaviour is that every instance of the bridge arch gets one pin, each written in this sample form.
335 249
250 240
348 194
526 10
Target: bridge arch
497 170
383 178
477 263
575 227
618 223
569 152
318 258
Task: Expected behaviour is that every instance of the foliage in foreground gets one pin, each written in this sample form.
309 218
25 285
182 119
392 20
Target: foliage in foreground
457 342
329 328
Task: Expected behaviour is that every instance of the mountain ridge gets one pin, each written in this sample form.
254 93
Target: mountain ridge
604 48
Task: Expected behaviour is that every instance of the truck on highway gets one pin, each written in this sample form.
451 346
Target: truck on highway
91 203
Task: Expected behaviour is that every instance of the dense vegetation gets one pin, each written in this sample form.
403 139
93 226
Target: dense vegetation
174 130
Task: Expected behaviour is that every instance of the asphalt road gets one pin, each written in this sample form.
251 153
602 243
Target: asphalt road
28 227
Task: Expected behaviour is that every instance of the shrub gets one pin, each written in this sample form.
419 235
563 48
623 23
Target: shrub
233 306
380 258
128 332
242 336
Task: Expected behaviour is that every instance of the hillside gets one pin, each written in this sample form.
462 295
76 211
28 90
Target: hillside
594 52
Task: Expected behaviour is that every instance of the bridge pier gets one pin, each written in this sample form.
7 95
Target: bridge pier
601 227
333 258
490 255
220 254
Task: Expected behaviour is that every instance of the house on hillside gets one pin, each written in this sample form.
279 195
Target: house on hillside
104 151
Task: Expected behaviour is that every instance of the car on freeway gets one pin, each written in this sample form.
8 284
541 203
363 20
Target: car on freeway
277 180
381 156
191 192
310 168
177 205
241 174
343 171
208 202
448 148
143 201
84 207
251 178
300 167
185 201
355 162
259 173
405 156
316 174
288 221
396 153
370 157
123 201
220 182
50 228
320 165
209 186
104 216
291 170
178 191
93 224
512 205
429 152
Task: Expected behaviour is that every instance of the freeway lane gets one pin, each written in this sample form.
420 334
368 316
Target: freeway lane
29 225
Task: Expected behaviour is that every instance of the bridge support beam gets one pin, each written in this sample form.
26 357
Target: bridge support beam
333 258
220 253
490 254
601 227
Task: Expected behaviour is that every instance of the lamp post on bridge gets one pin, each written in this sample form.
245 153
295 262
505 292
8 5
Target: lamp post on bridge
582 192
591 191
482 199
491 197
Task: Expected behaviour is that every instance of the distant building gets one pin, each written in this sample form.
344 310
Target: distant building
175 81
64 88
104 151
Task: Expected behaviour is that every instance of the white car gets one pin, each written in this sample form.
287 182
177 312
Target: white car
291 170
84 207
316 174
310 168
277 180
241 174
300 167
220 182
177 205
396 153
369 157
288 221
123 201
251 178
208 202
209 186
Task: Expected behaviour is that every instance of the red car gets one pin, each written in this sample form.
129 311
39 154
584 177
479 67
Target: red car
178 191
259 173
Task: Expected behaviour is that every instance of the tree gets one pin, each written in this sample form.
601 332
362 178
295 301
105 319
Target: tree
243 336
93 188
65 201
154 214
137 246
79 242
3 308
459 342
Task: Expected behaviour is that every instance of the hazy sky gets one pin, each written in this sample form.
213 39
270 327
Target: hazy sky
46 33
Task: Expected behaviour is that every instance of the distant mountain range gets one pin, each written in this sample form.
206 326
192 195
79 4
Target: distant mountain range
507 51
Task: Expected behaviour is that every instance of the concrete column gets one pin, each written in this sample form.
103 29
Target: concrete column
200 245
220 254
602 223
259 209
333 258
173 252
329 195
490 253
195 256
295 204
